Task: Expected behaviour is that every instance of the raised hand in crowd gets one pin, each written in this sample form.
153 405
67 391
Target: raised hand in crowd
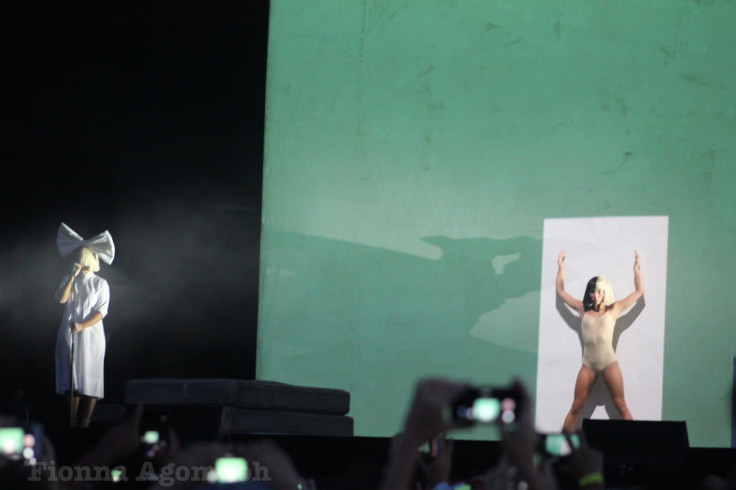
424 420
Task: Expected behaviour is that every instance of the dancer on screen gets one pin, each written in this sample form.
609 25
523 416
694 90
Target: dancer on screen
598 313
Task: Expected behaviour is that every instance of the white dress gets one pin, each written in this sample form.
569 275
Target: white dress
89 294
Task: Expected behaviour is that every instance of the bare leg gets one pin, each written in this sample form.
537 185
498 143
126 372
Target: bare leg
88 406
73 408
583 385
615 383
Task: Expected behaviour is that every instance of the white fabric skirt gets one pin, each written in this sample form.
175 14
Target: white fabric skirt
89 360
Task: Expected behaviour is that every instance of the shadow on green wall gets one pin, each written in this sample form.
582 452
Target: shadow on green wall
487 271
368 300
372 320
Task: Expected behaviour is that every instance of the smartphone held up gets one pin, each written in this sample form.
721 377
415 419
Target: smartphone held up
17 443
486 405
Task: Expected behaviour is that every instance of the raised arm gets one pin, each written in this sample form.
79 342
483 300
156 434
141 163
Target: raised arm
62 295
573 303
629 300
426 419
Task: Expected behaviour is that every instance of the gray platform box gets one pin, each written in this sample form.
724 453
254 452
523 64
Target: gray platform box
246 406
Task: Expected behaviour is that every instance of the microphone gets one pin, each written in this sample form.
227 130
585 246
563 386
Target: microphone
79 268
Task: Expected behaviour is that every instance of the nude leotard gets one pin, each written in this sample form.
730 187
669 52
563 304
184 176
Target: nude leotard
598 341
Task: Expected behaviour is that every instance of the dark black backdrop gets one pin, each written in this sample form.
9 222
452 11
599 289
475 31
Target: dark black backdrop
146 119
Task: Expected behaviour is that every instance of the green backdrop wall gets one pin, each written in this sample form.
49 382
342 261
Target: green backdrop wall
414 149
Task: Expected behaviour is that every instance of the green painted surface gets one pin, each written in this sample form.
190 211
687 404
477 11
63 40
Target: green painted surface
414 148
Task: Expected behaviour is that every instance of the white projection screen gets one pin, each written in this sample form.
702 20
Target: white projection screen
602 246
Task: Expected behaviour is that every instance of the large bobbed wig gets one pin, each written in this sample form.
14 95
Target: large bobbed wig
598 283
89 259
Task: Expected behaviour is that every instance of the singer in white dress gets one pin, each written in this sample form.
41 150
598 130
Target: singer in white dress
86 297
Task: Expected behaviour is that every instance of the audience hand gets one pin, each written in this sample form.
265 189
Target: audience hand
437 467
519 443
425 419
583 464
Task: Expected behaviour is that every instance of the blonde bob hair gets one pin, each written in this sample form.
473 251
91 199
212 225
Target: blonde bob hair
598 283
89 259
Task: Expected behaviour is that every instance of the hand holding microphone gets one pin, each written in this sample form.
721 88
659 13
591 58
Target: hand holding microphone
79 268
